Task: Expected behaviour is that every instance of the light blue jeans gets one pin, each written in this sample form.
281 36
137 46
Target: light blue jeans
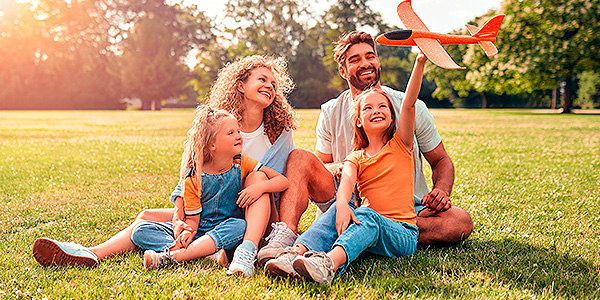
376 234
159 236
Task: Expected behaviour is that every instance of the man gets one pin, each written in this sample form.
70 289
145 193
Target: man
316 175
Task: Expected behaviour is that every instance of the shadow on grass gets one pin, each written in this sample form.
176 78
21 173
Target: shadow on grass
474 267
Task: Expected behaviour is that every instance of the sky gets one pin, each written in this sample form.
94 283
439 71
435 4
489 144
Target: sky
438 15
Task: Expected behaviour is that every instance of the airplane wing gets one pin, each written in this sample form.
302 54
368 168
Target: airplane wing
408 16
432 48
434 51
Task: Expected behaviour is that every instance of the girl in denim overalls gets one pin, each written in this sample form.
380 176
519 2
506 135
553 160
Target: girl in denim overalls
213 172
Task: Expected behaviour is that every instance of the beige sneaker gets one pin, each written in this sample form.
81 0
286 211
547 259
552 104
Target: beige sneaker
282 265
219 257
49 252
280 237
153 260
316 266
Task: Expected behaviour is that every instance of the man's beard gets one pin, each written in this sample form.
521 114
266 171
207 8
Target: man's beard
365 84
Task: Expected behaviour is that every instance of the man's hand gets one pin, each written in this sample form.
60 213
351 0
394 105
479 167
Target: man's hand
437 200
343 217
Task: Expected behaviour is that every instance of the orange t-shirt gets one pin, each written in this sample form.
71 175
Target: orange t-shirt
385 180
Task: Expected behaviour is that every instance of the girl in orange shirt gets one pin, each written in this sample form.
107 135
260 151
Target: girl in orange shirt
382 166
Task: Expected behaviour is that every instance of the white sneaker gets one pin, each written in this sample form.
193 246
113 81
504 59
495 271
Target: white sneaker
242 262
279 238
50 252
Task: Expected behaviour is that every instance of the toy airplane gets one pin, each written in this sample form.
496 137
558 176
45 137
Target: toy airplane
431 43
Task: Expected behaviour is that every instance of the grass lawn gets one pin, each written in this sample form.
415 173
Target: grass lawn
531 182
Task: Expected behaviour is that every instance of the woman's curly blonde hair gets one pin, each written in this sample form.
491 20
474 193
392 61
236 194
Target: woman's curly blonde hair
225 95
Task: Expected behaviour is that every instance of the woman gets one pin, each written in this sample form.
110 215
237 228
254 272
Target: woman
254 90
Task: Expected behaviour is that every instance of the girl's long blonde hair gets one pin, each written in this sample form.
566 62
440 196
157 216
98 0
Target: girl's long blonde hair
204 129
225 95
360 139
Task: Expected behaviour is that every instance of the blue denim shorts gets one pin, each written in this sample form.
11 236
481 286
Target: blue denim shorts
158 236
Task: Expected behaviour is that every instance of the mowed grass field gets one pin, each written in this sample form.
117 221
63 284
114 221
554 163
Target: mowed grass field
530 180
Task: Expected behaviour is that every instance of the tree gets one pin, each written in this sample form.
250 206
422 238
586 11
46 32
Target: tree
274 27
588 89
151 70
541 45
57 56
153 66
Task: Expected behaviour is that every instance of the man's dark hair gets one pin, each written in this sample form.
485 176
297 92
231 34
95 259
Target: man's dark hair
348 40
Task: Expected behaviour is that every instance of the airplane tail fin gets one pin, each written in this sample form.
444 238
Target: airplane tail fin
488 31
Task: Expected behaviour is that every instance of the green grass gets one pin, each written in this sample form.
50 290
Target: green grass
531 182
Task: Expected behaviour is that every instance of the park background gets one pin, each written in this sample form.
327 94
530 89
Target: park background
108 54
529 177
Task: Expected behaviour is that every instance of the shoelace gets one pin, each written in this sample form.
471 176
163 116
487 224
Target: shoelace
245 256
165 260
277 233
324 262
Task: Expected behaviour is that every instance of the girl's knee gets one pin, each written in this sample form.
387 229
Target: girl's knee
144 215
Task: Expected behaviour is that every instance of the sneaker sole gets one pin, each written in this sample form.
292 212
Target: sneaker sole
274 270
238 273
48 253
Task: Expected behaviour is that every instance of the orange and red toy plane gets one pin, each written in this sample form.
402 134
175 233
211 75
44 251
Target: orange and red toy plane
431 43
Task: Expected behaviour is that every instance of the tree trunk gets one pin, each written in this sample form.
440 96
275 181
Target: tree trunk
484 103
157 105
567 97
146 104
554 96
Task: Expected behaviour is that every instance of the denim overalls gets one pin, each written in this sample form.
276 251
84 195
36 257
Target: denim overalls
220 216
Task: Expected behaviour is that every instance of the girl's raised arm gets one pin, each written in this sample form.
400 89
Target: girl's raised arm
406 120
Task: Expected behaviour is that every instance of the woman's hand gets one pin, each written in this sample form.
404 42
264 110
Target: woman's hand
343 217
249 195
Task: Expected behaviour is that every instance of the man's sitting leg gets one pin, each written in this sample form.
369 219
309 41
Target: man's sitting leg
308 178
443 228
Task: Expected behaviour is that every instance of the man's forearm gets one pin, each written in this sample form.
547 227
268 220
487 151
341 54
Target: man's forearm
442 175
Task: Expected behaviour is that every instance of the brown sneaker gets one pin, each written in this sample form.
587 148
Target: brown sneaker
279 238
50 252
282 265
154 260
